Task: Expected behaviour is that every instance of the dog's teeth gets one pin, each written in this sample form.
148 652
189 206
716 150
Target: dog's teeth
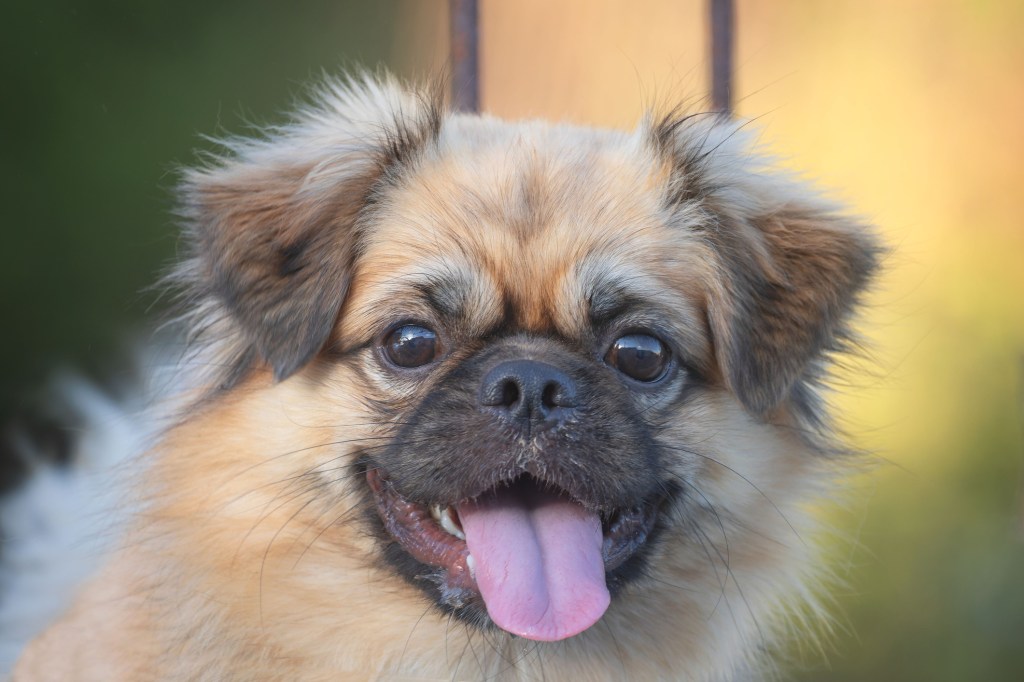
471 565
448 523
443 515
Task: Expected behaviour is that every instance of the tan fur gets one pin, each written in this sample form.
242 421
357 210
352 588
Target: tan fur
249 561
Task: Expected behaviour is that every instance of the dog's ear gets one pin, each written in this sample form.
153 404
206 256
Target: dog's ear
789 268
273 224
791 279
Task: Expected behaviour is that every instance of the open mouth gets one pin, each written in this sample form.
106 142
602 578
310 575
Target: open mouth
537 558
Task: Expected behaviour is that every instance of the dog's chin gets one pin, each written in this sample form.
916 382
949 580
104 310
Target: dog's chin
523 555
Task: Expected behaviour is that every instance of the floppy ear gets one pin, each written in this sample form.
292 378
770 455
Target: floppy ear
791 281
273 225
789 268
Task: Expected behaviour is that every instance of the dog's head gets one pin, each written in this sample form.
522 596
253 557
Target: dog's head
557 368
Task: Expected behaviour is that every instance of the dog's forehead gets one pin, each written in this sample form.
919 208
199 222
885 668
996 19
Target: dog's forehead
534 219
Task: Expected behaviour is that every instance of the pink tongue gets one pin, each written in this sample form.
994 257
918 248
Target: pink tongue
538 561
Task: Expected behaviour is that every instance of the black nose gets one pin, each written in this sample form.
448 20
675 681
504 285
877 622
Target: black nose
531 391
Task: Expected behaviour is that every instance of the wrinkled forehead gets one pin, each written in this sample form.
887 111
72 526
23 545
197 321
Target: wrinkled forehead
543 228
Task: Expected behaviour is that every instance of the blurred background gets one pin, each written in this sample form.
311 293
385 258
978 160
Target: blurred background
910 111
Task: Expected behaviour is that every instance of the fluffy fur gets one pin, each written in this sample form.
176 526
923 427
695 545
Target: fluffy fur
257 553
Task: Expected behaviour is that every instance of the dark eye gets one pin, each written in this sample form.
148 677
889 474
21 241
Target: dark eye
638 356
411 346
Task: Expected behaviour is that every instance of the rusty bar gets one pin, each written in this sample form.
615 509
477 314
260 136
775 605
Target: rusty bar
464 17
722 32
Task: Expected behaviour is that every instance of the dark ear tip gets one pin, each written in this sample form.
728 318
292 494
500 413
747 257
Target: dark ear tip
287 364
282 372
758 395
755 404
295 341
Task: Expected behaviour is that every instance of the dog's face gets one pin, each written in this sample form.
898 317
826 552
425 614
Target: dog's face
539 376
530 329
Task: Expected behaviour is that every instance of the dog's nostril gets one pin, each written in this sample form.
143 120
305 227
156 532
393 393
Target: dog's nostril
509 394
501 391
557 395
547 399
528 389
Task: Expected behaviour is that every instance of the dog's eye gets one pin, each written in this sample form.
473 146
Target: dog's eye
411 346
638 356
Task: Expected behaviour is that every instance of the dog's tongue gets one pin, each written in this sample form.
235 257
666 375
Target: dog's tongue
538 562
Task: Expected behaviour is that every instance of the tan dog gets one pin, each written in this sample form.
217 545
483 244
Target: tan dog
503 400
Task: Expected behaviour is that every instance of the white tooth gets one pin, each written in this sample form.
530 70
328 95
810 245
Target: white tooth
435 511
471 565
448 523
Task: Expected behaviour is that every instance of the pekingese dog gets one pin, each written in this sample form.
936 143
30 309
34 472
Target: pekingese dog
488 400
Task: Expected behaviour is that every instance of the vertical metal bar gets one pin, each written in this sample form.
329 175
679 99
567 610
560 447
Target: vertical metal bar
722 32
464 19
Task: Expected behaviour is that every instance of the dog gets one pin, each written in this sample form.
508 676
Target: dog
484 399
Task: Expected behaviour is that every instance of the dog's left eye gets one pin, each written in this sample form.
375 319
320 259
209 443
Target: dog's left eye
411 346
639 356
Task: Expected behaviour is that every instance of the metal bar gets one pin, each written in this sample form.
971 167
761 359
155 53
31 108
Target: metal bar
464 18
722 34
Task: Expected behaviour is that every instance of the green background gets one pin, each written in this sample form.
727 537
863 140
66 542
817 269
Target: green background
102 103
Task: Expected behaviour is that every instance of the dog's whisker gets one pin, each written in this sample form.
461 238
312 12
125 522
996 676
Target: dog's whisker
326 527
618 648
722 596
709 506
270 508
316 468
746 480
266 553
405 648
306 449
730 574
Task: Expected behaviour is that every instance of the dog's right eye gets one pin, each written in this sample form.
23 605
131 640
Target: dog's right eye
411 346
